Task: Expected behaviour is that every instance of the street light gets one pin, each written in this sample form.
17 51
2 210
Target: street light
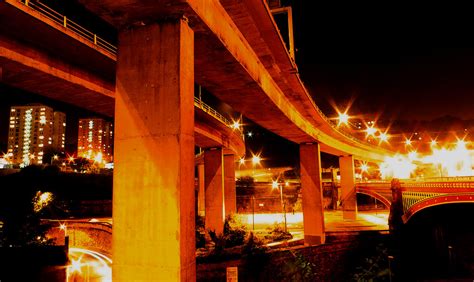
63 227
256 159
275 185
343 118
55 158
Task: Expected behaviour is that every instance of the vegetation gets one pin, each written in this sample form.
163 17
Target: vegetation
296 269
277 233
234 232
200 232
234 235
374 267
21 211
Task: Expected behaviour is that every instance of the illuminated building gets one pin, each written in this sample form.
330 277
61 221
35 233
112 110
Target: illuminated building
32 130
95 139
59 130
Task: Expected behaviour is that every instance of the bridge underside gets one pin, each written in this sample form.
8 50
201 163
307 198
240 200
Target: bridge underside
251 71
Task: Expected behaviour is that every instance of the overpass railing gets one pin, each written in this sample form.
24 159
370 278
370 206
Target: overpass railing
198 103
110 48
67 23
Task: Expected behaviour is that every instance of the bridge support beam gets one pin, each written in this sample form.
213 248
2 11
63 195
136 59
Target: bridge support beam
349 200
153 197
313 212
201 191
229 185
214 185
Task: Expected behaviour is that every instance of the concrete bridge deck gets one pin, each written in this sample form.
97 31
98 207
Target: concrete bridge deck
239 56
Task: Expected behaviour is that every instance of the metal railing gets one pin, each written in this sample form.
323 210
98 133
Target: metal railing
206 108
98 41
66 23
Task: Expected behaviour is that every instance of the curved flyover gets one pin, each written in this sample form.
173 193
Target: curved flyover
241 58
36 69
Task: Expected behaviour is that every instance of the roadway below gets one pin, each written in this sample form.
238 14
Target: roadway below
370 220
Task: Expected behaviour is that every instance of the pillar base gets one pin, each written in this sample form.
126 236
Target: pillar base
310 240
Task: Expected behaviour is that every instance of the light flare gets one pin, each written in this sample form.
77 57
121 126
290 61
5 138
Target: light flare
42 200
343 118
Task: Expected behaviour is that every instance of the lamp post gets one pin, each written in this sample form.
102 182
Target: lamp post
63 227
276 184
283 204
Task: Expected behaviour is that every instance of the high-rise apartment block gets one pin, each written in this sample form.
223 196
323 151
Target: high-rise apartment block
33 130
95 139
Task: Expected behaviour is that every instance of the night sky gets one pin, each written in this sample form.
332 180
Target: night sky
400 61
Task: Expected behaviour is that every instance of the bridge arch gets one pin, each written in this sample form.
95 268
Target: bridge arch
94 236
436 201
375 195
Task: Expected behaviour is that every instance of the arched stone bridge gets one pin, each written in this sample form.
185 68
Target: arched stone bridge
418 195
94 236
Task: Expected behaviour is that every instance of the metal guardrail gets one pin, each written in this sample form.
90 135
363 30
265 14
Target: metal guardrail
206 108
66 23
96 40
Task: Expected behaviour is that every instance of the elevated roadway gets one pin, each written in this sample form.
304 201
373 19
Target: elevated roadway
239 56
61 65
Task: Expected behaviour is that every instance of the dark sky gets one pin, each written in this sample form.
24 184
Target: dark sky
401 60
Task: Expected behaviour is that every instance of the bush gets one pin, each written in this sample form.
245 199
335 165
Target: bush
255 257
374 267
234 232
219 243
200 232
254 247
277 233
297 269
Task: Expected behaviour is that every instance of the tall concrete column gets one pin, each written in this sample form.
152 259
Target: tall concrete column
313 211
201 191
348 198
153 196
214 185
230 197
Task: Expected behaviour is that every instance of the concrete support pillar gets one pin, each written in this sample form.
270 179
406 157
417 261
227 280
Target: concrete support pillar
348 198
313 211
229 185
214 186
201 191
153 197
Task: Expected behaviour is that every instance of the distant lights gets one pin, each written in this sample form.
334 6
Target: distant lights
461 143
413 155
235 125
343 118
408 142
256 159
371 131
364 167
383 137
